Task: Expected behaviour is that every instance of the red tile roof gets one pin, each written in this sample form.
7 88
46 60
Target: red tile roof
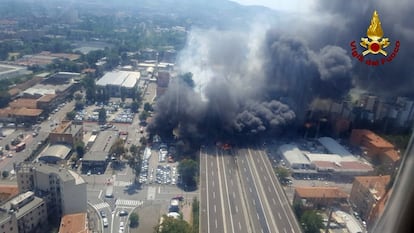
320 192
26 112
392 154
378 183
23 103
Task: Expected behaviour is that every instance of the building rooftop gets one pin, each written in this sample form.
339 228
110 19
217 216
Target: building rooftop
95 156
74 223
320 192
63 173
376 184
67 127
59 151
126 79
324 157
374 139
344 166
333 146
26 112
392 154
46 98
8 191
23 103
293 154
25 202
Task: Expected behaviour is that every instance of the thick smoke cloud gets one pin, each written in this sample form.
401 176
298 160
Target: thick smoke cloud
248 83
258 81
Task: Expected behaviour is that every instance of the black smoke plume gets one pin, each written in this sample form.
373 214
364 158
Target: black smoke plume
248 84
262 80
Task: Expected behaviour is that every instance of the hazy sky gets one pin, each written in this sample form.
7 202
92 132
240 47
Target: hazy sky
284 5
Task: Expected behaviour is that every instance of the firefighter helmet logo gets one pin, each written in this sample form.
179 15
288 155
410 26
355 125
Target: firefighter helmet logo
375 43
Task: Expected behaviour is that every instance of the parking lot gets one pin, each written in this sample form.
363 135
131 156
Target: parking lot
155 169
115 112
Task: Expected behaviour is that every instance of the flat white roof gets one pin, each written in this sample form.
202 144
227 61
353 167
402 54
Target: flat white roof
333 146
122 78
329 157
293 155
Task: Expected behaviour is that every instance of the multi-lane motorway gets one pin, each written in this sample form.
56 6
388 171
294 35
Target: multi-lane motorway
240 193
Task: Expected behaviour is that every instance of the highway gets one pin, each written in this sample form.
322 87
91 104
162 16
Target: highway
240 193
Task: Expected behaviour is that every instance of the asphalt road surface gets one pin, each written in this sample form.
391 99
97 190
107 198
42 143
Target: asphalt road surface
240 193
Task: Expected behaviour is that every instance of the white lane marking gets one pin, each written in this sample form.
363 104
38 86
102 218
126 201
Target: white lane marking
254 202
237 209
258 217
215 208
274 202
250 189
214 194
280 216
213 183
216 223
240 226
245 169
100 194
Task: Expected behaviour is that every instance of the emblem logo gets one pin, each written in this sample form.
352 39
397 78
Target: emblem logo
375 41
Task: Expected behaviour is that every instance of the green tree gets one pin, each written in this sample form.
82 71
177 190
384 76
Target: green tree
102 115
80 149
135 162
71 115
143 140
4 98
117 148
7 147
79 105
5 174
298 209
78 96
311 222
133 149
133 220
148 107
171 225
143 116
188 170
89 84
196 211
134 107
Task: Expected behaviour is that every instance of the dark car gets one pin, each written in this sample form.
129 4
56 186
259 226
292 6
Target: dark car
103 214
123 213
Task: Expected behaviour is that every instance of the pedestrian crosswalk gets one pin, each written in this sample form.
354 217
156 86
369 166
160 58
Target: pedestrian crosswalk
101 205
120 183
128 203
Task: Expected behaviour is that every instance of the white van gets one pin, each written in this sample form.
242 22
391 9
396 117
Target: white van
105 221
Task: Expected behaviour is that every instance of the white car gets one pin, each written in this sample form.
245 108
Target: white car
121 227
